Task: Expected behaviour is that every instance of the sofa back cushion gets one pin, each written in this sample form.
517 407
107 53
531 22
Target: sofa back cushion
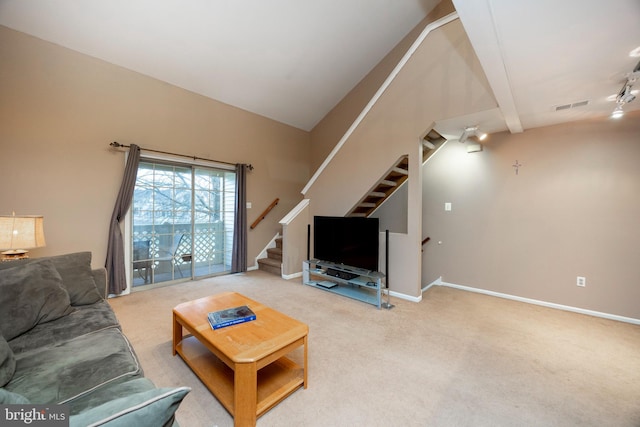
31 294
76 274
7 362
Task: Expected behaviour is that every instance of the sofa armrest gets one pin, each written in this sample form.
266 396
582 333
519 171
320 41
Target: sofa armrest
100 277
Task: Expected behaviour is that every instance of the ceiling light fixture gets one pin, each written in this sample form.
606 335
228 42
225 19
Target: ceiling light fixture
617 112
626 94
470 131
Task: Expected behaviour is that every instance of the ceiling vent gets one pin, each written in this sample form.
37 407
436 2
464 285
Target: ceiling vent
569 106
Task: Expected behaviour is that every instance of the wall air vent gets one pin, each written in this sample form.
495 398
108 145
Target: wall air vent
572 105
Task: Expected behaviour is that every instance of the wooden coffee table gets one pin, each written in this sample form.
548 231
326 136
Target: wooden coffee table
245 365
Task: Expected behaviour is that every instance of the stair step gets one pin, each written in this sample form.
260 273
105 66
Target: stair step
395 177
274 253
270 266
400 171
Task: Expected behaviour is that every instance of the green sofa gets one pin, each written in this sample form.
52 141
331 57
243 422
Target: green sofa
61 343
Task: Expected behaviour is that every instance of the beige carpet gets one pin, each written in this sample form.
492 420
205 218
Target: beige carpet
455 359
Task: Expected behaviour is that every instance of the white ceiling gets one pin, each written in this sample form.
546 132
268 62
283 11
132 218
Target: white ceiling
541 54
293 60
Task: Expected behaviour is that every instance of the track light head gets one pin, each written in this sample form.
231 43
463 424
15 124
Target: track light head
472 131
625 96
617 112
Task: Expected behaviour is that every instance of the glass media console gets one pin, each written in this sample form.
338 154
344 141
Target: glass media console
352 282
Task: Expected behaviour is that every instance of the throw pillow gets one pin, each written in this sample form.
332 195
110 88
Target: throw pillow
7 362
31 294
148 408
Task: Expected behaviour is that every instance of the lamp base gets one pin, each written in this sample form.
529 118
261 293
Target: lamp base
13 255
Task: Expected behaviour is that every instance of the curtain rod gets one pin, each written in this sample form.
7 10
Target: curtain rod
118 145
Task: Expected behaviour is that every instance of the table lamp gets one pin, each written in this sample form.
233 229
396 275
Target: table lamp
19 233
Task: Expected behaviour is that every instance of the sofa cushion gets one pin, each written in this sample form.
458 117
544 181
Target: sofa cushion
109 392
7 362
62 373
76 274
82 320
75 270
100 279
31 294
149 408
9 398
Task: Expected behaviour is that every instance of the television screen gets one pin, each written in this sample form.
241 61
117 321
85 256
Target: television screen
351 241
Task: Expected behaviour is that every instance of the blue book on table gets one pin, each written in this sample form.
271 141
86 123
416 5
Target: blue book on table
231 316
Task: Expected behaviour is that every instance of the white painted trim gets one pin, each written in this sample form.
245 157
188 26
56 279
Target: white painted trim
292 276
544 303
294 212
263 253
437 282
487 43
401 296
432 26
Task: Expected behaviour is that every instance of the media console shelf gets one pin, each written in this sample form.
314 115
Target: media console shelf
352 282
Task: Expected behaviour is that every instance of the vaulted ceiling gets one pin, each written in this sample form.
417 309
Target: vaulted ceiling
293 60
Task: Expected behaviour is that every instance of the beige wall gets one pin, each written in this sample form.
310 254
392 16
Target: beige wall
573 210
295 236
425 91
326 134
59 110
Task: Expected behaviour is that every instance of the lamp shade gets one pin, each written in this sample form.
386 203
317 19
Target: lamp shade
21 232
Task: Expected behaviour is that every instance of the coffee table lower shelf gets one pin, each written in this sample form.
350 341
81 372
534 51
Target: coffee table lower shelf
275 381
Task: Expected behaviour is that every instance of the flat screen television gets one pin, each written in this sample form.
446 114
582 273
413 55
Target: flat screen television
352 241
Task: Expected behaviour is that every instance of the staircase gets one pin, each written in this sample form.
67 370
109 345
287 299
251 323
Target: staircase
273 263
384 188
394 178
430 144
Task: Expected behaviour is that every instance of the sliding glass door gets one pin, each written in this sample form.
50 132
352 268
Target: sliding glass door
182 222
214 213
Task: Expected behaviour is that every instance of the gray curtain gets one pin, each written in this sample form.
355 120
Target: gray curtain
239 254
115 249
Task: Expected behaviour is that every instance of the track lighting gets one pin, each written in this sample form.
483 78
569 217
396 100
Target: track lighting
470 131
617 112
625 95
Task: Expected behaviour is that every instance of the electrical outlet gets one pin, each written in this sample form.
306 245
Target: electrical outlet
447 206
581 281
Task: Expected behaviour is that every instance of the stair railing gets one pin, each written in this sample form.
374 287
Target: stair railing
425 241
266 211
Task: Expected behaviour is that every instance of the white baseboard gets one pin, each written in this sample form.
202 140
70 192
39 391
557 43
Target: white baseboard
402 296
439 282
292 276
